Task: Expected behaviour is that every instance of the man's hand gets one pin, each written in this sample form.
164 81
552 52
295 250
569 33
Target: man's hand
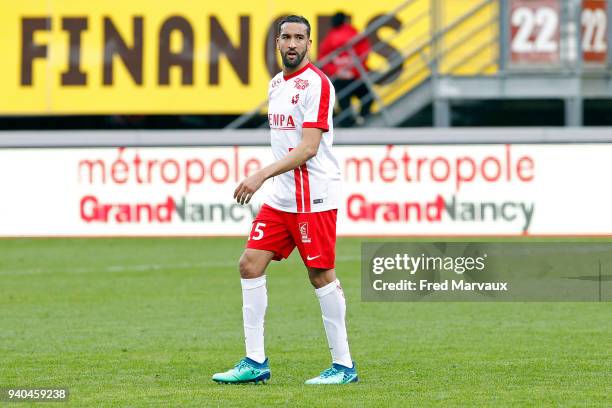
245 190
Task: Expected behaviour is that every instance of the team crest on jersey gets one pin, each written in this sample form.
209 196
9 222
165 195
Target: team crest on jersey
301 83
295 98
304 232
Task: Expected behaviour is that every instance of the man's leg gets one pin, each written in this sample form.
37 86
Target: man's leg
333 310
365 99
254 367
269 239
344 102
252 265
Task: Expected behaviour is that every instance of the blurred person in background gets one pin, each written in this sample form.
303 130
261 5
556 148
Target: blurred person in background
343 71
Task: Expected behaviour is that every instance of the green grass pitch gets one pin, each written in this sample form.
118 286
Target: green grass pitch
146 322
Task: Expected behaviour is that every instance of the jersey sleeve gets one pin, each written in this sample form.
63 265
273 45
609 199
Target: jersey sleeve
316 105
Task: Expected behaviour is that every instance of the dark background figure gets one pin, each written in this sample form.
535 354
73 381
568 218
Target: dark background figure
342 70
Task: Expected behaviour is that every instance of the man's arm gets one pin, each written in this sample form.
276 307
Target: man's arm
307 149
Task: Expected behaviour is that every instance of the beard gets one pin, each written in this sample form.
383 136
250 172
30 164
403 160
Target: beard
297 61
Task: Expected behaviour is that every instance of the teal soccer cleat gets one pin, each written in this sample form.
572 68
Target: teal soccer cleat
337 374
246 371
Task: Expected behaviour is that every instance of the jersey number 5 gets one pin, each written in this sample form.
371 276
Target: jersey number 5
257 231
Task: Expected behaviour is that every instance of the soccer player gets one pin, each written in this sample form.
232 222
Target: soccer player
301 212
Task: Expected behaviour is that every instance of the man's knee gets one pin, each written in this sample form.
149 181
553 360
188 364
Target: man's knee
249 267
317 281
321 277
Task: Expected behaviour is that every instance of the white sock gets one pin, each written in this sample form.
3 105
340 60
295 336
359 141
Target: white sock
254 304
333 309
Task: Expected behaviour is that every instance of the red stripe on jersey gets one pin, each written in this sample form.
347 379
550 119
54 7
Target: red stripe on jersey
297 175
306 187
322 115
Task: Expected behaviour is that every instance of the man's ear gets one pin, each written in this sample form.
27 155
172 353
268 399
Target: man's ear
277 45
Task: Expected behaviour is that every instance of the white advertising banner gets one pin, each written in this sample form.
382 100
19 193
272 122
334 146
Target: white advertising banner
388 190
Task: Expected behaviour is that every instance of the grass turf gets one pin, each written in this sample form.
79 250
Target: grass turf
146 322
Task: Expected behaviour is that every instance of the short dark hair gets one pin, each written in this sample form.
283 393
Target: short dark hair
294 19
338 19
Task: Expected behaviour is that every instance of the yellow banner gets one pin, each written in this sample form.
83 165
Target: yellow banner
155 57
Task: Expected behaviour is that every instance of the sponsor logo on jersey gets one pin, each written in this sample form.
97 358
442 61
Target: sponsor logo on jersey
281 121
295 98
276 83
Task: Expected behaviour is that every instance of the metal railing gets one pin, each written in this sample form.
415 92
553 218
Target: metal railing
420 58
240 121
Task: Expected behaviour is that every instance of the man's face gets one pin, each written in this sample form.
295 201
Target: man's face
293 44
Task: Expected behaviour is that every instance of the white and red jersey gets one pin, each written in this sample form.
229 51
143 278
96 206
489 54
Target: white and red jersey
304 99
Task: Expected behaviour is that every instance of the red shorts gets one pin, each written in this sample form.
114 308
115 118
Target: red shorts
314 234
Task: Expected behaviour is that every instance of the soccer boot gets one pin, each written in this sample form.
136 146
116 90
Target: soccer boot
337 374
246 371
